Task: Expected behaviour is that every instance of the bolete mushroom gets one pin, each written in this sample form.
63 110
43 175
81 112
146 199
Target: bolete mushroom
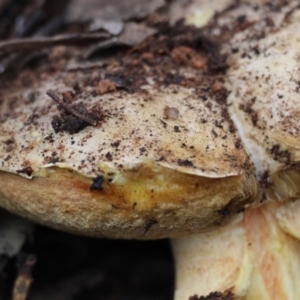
177 137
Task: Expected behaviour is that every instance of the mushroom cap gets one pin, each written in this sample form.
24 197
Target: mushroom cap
163 159
263 78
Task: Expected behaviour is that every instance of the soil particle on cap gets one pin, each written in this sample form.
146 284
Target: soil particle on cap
32 120
97 183
214 133
163 123
67 123
225 115
143 149
280 155
49 138
27 170
50 160
296 166
248 109
227 295
238 144
265 180
109 156
241 19
106 86
7 158
177 129
116 144
183 55
53 160
220 92
68 96
72 124
171 113
185 163
9 145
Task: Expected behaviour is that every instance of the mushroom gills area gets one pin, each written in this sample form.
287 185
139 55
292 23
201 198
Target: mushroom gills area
151 202
254 258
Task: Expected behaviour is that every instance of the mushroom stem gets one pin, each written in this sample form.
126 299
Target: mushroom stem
252 257
212 262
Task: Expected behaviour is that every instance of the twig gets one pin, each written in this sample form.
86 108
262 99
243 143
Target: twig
24 279
69 109
43 42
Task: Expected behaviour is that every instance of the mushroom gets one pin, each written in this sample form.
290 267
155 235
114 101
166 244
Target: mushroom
173 149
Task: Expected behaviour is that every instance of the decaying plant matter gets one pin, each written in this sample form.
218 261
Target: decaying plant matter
183 125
